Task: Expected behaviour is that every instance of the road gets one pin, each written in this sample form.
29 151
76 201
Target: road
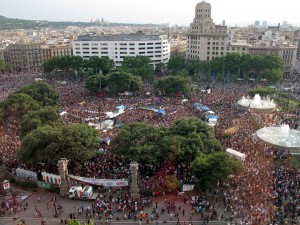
47 212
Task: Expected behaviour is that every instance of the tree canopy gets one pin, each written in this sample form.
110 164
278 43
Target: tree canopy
18 105
41 117
184 141
208 169
66 63
41 92
140 142
176 64
233 65
138 66
76 142
173 84
95 83
121 81
5 67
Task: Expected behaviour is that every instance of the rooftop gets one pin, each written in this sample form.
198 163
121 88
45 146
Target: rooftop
121 37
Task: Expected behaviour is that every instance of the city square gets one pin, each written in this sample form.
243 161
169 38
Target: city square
112 124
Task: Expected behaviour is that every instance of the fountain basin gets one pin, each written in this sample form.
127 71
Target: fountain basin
257 104
280 136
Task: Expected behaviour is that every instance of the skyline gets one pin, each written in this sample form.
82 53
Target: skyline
155 12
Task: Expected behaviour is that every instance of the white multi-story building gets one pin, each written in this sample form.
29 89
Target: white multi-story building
116 47
205 40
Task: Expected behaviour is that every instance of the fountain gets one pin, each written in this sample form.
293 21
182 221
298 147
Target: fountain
285 130
281 136
257 104
257 100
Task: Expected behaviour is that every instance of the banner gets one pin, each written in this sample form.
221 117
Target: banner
103 182
42 184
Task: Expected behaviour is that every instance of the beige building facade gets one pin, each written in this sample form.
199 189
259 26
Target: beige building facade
205 40
23 57
286 52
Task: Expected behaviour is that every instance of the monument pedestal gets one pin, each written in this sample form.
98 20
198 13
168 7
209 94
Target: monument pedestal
134 189
63 171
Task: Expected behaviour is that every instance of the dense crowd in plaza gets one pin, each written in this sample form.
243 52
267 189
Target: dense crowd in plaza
261 194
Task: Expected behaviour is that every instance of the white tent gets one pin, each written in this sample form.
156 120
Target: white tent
236 154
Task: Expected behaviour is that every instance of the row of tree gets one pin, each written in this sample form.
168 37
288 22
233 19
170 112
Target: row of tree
67 63
232 66
115 82
44 135
228 67
188 140
118 82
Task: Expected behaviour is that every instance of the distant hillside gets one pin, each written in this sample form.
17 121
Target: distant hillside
11 24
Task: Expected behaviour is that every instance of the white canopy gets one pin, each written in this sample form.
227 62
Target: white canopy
236 154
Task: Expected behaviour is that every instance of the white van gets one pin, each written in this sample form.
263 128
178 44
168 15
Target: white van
87 192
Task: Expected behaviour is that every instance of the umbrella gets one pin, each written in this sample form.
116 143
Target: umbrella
204 108
121 107
161 112
211 117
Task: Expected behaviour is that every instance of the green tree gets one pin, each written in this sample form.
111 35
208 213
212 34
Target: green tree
95 83
176 64
274 75
173 84
138 66
38 118
77 63
121 81
2 64
192 137
5 67
273 62
51 64
76 142
94 62
41 92
208 169
17 105
140 142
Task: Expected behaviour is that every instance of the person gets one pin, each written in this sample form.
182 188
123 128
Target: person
43 222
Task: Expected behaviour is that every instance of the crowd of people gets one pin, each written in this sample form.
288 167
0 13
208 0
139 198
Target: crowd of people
262 193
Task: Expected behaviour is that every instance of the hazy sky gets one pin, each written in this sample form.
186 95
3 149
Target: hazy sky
181 12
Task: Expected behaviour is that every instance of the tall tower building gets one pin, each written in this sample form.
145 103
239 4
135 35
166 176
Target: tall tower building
205 40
